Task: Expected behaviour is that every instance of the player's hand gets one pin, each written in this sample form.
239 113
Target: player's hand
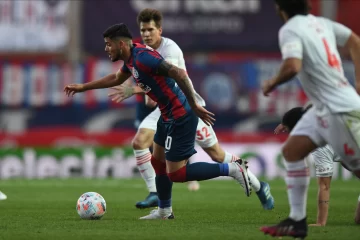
71 89
121 93
267 87
280 129
205 115
316 225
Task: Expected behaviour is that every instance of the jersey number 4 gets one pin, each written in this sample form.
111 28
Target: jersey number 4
333 61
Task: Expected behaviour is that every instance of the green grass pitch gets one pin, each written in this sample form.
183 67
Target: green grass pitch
45 209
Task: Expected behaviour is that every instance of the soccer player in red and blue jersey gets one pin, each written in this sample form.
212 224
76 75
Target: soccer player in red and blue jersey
174 140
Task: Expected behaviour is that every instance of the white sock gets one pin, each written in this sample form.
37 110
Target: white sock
229 158
297 181
165 211
233 168
255 183
143 162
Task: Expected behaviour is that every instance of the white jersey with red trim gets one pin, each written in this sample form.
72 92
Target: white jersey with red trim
315 40
173 54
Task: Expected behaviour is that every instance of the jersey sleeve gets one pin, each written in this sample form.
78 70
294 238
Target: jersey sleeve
341 32
124 69
290 44
149 62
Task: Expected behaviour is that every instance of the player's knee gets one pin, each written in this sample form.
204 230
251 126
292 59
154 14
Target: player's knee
288 154
137 143
178 176
140 141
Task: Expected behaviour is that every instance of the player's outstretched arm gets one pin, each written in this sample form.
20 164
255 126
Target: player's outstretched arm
353 46
292 53
288 70
183 81
110 80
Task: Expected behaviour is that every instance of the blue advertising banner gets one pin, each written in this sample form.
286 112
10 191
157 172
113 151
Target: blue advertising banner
201 25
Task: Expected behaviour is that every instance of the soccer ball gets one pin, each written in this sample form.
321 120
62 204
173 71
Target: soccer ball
91 205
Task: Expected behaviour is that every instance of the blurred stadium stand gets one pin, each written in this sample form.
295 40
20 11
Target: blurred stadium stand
230 47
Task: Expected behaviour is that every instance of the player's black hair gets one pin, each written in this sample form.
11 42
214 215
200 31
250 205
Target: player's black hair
294 7
292 116
117 30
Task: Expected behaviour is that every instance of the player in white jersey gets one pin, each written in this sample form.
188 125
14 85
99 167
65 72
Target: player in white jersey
149 21
309 47
323 158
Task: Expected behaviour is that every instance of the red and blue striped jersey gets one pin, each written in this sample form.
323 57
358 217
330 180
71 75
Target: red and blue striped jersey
143 64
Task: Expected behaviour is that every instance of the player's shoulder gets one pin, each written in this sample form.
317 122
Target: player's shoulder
141 50
292 25
285 30
169 44
298 23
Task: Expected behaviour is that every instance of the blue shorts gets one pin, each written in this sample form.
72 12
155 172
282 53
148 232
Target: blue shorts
177 137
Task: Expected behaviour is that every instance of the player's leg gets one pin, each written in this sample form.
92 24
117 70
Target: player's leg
141 144
2 196
163 183
323 160
207 140
303 139
357 212
179 147
346 143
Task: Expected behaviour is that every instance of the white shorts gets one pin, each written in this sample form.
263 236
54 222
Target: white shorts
324 159
340 130
150 122
205 135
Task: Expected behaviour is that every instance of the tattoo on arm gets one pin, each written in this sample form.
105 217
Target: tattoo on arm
323 201
164 68
180 77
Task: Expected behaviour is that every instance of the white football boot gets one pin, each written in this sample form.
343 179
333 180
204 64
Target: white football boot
238 170
159 213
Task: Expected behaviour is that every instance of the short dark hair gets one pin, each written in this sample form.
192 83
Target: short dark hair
292 116
117 30
294 7
149 14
